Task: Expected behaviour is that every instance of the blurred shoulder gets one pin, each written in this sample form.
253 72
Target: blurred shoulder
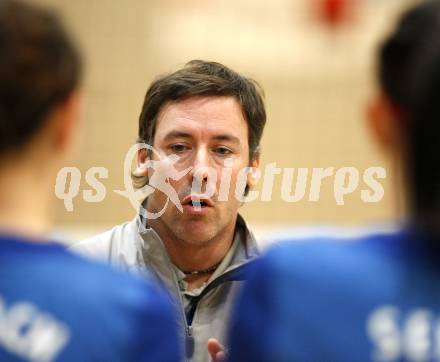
97 281
326 254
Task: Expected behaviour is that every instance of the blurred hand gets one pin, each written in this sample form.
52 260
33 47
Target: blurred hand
216 350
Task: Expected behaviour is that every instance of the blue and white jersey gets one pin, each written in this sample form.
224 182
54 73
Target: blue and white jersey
373 299
56 306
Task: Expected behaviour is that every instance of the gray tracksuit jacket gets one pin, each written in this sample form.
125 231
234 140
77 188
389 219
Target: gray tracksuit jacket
204 312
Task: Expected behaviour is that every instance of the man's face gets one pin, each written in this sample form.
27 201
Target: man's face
203 132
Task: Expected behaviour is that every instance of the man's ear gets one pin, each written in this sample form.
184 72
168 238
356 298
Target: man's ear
384 121
142 159
254 176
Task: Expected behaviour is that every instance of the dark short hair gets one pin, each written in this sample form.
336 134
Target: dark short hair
409 72
200 78
39 68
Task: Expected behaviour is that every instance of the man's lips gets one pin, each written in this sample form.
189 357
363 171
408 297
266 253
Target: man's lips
197 200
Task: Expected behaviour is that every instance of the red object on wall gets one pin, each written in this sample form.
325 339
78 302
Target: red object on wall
334 12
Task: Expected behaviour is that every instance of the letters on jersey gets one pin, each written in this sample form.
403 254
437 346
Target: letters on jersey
30 333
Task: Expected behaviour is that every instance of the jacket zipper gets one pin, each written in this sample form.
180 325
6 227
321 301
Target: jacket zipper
189 339
235 274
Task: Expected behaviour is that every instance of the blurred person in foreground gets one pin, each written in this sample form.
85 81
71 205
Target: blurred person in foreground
376 298
55 306
208 119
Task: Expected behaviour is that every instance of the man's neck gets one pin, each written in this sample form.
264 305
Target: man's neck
24 199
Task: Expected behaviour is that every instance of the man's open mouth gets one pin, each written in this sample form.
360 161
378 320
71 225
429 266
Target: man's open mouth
197 201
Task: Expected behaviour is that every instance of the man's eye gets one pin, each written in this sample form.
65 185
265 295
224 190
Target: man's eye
178 148
223 151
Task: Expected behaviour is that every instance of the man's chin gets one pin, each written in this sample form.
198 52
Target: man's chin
197 235
198 238
195 229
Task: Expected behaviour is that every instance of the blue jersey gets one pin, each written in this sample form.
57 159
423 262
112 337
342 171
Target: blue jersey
374 299
56 306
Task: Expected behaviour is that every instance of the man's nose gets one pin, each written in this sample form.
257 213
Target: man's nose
204 176
201 165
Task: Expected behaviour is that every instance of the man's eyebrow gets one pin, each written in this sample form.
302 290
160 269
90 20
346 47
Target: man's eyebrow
227 137
221 137
176 134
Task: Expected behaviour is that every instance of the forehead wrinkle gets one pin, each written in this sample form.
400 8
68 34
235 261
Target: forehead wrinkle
191 116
